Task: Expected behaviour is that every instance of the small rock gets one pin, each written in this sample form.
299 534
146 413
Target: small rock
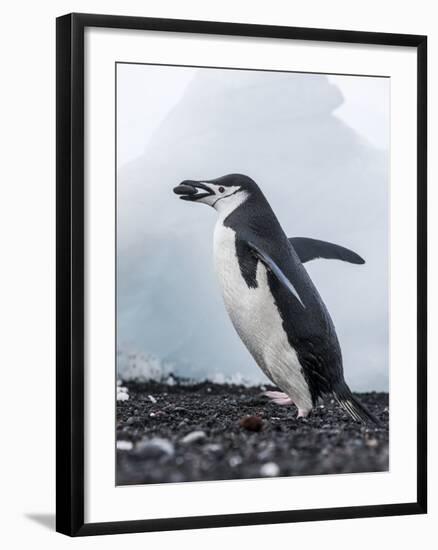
235 461
251 423
124 445
193 437
152 399
213 448
156 447
270 469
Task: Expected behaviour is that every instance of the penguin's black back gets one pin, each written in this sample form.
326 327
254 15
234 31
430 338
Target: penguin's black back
309 329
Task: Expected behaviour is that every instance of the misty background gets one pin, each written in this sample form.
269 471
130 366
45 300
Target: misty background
318 147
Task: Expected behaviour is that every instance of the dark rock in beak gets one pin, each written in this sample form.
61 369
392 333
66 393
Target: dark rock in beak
191 190
183 189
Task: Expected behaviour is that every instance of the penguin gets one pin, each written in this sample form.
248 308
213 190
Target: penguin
270 298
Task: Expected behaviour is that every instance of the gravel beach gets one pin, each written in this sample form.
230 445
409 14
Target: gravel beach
180 432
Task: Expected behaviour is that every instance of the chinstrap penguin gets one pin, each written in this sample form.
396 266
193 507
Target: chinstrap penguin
270 298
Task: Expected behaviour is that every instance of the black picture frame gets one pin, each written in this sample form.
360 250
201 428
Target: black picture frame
70 273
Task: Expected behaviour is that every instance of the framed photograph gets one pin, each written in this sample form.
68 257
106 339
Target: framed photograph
241 274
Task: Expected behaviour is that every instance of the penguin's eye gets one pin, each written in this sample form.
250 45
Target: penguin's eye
221 189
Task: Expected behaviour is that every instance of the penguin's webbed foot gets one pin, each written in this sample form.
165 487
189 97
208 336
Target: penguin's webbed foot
303 413
279 398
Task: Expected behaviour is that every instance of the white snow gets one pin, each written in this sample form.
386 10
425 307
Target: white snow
122 392
141 367
133 365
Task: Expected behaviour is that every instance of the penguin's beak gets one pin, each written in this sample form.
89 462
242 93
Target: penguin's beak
189 190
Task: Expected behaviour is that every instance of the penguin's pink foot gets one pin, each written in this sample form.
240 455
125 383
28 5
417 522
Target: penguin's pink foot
303 413
279 398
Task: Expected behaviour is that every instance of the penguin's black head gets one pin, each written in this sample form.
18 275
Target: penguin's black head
226 192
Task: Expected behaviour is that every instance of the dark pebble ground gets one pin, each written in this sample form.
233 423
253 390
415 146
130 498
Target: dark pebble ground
201 432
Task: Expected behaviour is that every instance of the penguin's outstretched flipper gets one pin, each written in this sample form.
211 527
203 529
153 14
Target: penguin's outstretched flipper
352 405
311 249
275 269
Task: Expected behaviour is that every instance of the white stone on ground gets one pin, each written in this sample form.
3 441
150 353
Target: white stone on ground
155 447
235 461
270 469
213 447
124 445
192 437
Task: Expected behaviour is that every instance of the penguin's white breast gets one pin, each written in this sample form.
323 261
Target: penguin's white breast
256 318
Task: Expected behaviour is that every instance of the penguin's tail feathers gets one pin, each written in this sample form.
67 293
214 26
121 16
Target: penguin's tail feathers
352 405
